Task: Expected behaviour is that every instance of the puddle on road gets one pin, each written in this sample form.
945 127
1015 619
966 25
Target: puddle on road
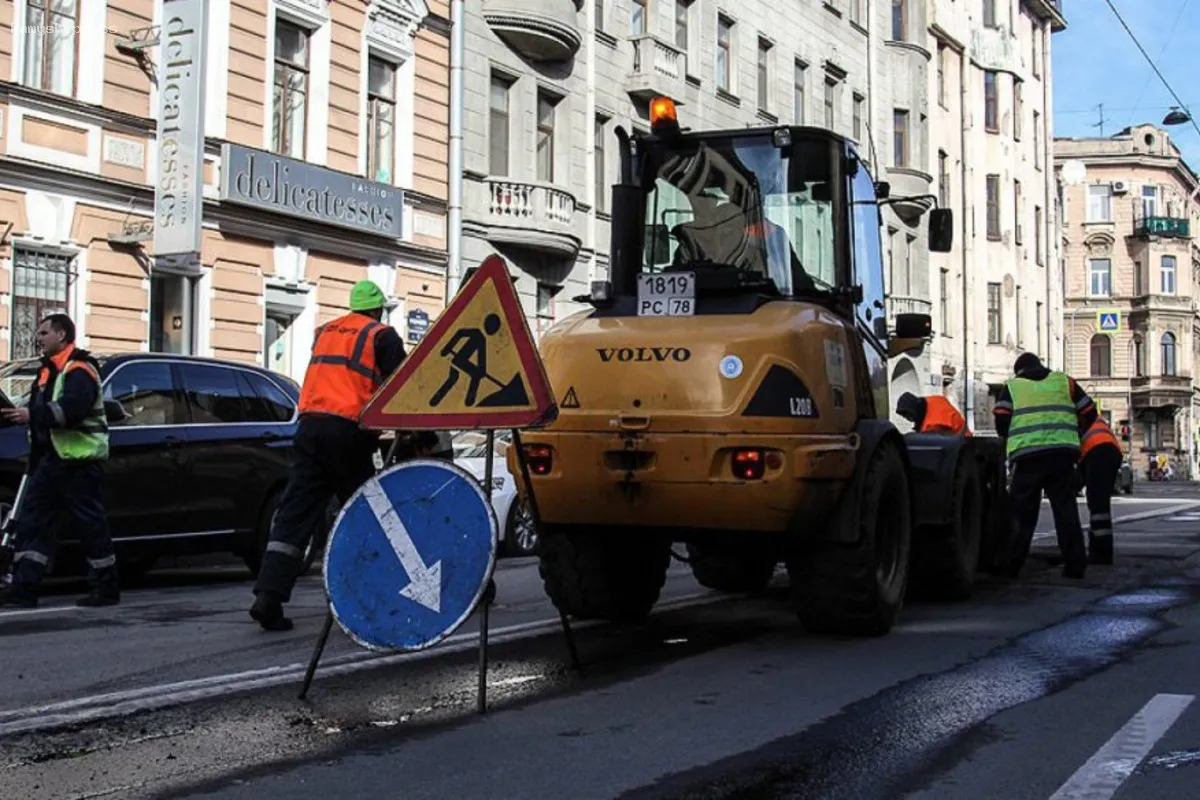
914 723
1172 760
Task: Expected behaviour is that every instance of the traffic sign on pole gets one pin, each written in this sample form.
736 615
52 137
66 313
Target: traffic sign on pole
410 555
1108 320
476 369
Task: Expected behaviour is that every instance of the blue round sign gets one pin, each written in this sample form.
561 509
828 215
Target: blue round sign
410 555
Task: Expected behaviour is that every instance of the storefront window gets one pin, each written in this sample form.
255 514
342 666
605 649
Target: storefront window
41 284
172 314
278 342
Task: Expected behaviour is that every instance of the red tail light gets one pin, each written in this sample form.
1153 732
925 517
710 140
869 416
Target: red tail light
540 459
749 464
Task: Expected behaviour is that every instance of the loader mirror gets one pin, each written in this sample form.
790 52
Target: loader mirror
883 190
941 230
913 326
114 412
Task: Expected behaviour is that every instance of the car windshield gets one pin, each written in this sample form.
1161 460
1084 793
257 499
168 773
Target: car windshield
480 450
743 203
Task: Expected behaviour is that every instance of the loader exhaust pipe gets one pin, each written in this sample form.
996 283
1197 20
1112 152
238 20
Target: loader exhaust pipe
628 219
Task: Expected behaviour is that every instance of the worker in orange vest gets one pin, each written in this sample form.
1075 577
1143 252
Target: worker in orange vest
332 456
933 414
1100 459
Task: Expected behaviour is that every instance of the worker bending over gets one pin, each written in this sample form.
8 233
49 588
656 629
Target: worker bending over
1100 460
933 414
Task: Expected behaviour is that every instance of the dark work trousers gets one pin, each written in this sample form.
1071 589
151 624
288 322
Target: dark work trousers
1100 468
1054 473
56 487
332 458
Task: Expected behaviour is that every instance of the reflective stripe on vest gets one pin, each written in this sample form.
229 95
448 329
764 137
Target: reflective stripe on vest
342 374
1044 415
1097 435
942 417
89 440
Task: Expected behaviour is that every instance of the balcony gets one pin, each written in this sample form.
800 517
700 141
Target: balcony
1161 391
909 305
1168 227
540 30
908 182
533 216
658 69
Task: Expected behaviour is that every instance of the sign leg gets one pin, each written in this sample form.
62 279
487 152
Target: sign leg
316 654
489 595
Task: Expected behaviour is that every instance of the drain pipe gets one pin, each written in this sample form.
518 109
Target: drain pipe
968 377
454 171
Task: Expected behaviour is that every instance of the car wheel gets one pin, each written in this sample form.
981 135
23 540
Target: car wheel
520 534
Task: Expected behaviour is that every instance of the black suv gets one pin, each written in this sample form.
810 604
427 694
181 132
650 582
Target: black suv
199 456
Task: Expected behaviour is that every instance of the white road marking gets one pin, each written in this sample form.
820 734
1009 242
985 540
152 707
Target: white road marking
1112 764
28 612
1141 515
424 581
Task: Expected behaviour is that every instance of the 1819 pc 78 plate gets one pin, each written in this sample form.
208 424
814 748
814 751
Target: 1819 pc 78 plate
672 294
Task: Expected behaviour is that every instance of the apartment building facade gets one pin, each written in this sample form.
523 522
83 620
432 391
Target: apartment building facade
311 107
548 80
1132 277
998 293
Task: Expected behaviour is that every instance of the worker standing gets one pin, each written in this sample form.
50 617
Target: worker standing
1041 413
68 445
1100 460
933 414
351 358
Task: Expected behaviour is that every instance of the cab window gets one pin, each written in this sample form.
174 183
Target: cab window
868 254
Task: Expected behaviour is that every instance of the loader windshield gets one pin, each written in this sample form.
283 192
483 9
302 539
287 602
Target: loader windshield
743 203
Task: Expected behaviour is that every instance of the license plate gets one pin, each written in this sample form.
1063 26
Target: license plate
667 295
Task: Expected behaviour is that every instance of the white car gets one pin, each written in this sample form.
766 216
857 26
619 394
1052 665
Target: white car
518 536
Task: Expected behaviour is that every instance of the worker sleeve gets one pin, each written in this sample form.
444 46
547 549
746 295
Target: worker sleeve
80 389
1003 412
389 351
1085 409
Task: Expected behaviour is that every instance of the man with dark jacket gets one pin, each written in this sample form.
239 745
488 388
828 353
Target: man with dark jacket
1042 414
68 433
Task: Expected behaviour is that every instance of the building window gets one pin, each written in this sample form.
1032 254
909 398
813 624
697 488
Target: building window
172 314
1017 232
1138 285
1036 44
944 300
855 10
942 51
1149 201
1100 203
900 138
498 125
1167 271
993 207
1101 354
682 37
1139 356
52 45
279 334
1017 307
856 121
41 286
943 179
1168 354
1037 140
989 13
637 17
601 167
290 113
991 103
993 313
724 54
799 74
1037 236
1100 277
545 137
598 6
381 119
830 86
1018 106
898 20
545 308
764 78
1038 322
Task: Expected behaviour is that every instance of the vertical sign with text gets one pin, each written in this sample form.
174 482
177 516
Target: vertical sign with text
179 192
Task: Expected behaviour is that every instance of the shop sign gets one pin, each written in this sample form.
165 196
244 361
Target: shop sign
418 325
271 182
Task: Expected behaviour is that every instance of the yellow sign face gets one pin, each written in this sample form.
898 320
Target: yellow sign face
476 368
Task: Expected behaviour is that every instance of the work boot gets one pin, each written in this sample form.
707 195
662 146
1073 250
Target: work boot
10 596
268 612
1100 550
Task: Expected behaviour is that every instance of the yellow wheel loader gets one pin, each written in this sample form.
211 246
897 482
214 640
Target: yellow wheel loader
728 391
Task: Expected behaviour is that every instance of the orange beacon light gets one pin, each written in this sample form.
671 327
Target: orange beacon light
662 115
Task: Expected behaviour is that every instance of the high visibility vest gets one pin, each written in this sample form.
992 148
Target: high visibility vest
1097 435
342 374
942 417
88 441
1043 416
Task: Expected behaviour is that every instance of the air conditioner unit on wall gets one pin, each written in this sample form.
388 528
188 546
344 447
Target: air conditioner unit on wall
1120 187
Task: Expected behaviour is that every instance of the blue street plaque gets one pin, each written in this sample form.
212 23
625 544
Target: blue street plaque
410 555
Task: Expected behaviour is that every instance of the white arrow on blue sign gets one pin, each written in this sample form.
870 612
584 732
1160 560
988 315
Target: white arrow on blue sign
1110 321
410 555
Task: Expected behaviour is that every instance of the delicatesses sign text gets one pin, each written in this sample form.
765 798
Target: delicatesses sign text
298 189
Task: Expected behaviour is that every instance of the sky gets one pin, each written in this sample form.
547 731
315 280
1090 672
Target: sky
1095 61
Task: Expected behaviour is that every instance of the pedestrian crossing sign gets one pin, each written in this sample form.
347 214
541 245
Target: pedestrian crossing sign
476 369
1108 321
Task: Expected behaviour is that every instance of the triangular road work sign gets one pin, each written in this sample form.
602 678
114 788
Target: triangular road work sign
477 368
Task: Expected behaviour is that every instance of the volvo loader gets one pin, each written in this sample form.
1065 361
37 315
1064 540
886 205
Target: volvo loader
727 391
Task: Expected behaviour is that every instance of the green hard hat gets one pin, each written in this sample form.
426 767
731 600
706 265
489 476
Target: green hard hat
366 296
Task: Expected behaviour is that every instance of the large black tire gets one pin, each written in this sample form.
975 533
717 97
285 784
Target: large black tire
726 569
602 574
946 557
858 589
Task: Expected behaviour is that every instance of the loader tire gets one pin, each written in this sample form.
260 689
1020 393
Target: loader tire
604 574
729 571
858 589
946 557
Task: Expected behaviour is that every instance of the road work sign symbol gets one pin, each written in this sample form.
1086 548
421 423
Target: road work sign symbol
476 368
410 555
1108 320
